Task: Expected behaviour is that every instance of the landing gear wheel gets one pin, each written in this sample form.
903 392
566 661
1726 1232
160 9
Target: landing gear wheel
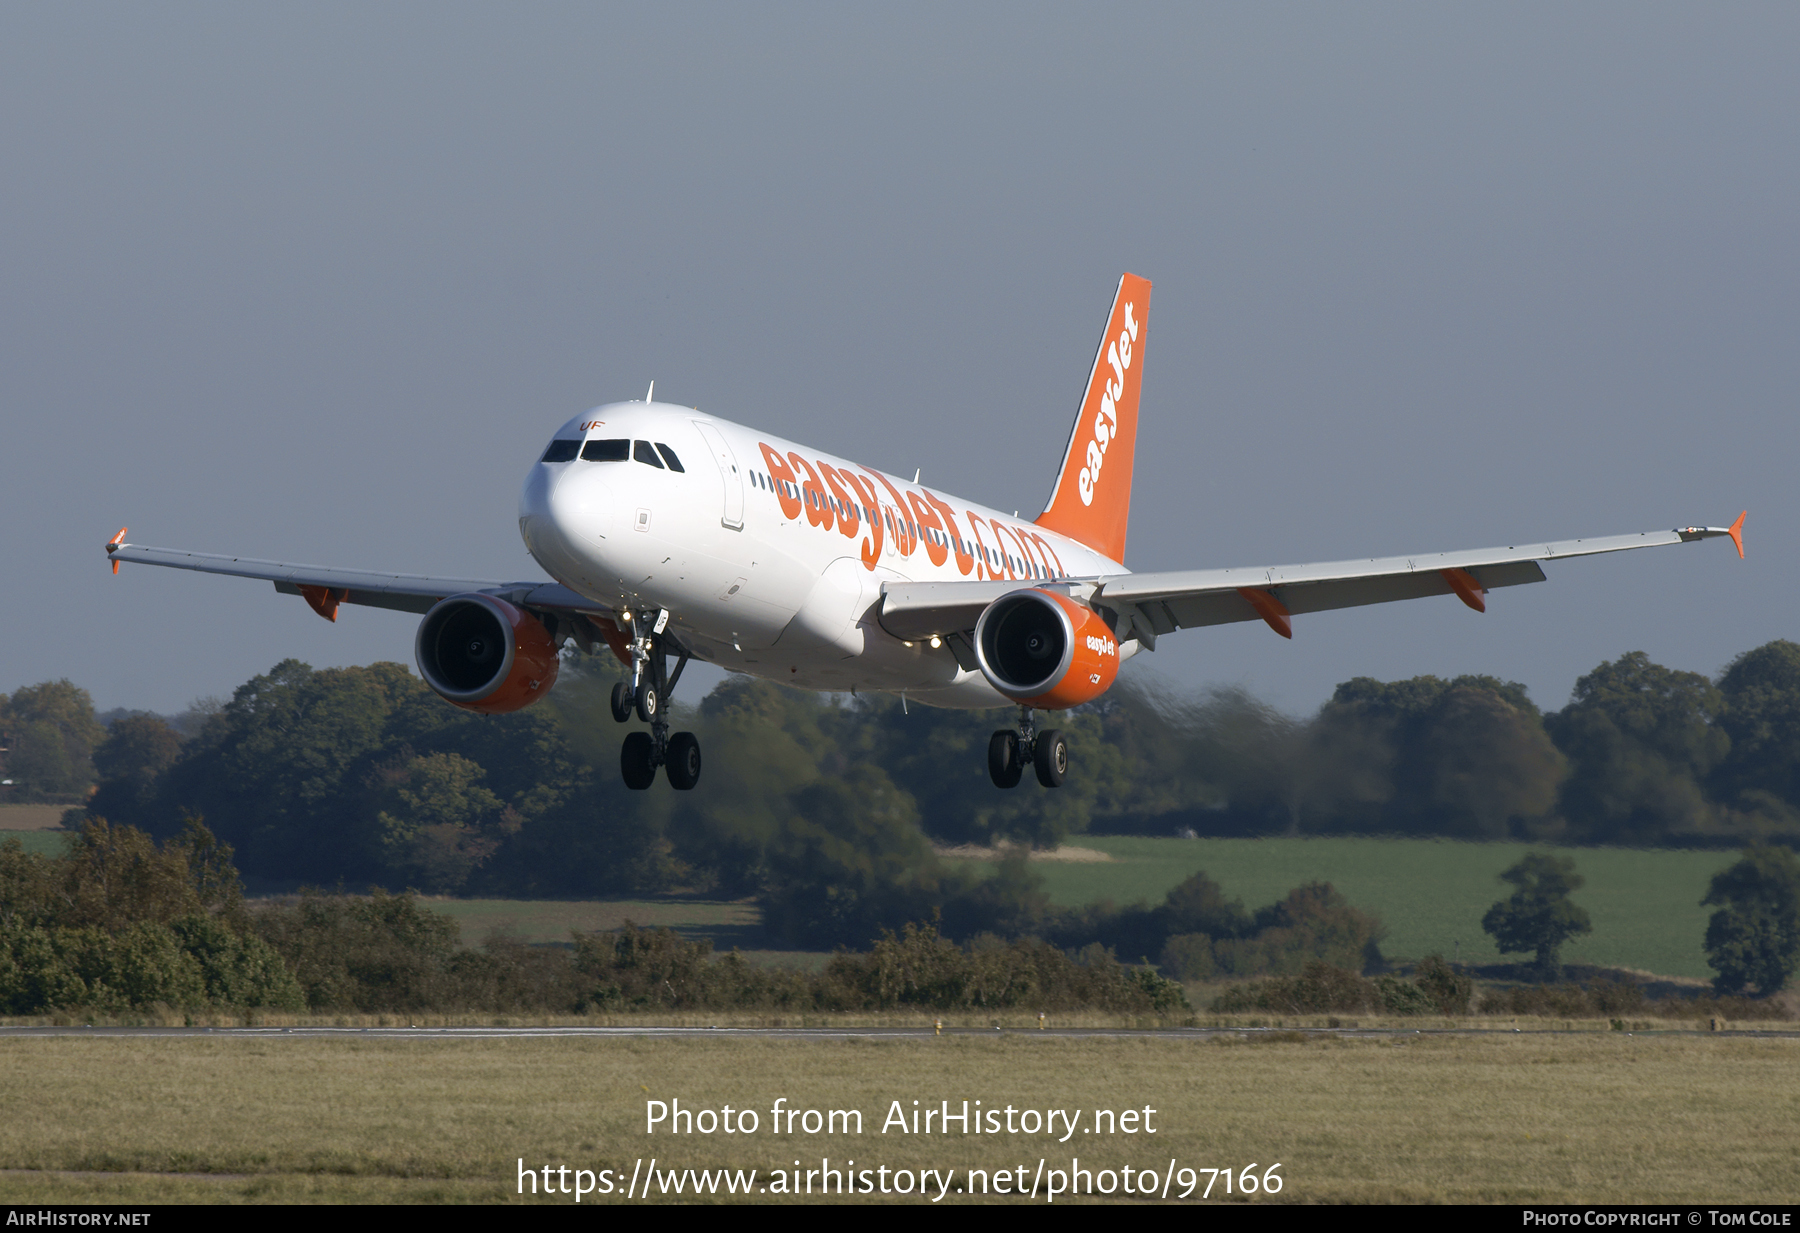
1051 758
648 703
621 702
1003 759
637 761
684 761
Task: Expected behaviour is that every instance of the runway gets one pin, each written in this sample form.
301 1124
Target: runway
847 1033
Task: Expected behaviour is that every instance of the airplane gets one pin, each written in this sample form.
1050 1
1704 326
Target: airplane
672 533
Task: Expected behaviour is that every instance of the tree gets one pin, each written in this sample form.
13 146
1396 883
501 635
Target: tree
434 821
1539 915
1761 689
137 749
1198 905
50 733
1642 739
1466 757
848 860
1754 937
272 770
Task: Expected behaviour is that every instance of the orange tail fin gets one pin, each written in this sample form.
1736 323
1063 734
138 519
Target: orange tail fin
1092 499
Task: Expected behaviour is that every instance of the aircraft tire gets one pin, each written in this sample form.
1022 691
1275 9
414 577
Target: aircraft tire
684 761
1003 759
648 702
636 761
1051 758
621 702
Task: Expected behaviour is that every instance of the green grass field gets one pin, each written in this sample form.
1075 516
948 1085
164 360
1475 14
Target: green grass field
1431 894
730 925
551 920
1588 1117
44 843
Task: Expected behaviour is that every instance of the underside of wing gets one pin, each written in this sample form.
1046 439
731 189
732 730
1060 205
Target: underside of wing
325 588
1163 603
1144 606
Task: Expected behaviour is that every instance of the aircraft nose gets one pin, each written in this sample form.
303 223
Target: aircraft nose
564 518
540 483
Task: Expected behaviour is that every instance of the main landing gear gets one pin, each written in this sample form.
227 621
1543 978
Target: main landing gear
648 695
1009 751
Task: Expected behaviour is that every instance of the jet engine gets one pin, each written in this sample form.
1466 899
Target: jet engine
1045 650
483 654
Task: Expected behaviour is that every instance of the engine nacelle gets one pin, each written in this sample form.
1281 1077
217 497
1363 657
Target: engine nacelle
483 654
1045 650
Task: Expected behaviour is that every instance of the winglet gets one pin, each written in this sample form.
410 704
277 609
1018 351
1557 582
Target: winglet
1735 530
116 540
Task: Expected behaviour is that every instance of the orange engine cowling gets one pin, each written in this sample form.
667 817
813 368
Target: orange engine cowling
483 654
1045 650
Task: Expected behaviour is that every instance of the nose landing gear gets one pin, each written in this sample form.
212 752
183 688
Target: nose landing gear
650 688
1009 752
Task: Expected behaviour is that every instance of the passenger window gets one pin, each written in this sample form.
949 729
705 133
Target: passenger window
644 453
561 451
669 457
606 451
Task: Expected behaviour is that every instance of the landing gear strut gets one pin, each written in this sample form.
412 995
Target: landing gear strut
1009 751
648 694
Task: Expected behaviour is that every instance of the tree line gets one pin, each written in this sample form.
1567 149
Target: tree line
827 809
1642 754
120 923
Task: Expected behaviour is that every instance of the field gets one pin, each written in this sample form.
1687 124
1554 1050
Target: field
1538 1117
35 827
44 843
551 920
31 817
1431 894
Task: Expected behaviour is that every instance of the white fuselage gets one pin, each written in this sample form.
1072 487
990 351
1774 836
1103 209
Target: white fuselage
763 574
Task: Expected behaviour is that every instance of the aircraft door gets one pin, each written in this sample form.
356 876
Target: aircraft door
733 514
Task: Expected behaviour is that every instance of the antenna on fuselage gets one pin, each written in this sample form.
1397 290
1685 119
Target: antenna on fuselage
916 473
651 396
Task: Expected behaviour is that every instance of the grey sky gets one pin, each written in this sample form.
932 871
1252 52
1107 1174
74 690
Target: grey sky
316 284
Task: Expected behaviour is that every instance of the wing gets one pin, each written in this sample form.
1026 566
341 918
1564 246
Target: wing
1144 606
325 588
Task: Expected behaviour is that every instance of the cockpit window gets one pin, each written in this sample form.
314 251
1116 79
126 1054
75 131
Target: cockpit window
644 453
561 451
669 457
606 451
